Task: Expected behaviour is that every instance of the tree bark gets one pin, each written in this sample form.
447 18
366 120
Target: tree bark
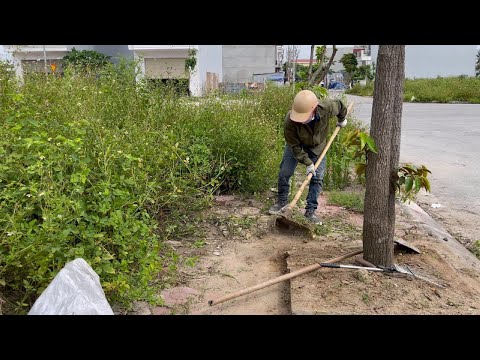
379 213
310 67
325 71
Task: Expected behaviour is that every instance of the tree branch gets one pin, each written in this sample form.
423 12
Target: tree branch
324 71
310 67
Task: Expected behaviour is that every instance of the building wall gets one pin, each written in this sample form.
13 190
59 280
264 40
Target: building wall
209 59
4 55
240 62
430 61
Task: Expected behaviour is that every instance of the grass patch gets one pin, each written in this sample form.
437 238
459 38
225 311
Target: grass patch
476 248
350 200
441 90
366 298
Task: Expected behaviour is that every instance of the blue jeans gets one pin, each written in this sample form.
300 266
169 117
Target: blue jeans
287 168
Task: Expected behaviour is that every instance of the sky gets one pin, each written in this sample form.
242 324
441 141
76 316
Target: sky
305 50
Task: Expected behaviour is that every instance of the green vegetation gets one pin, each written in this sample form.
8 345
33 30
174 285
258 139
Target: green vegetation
107 169
349 200
442 90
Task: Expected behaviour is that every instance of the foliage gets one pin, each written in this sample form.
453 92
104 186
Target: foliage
340 156
349 62
320 52
476 248
349 200
359 144
191 60
364 72
409 179
443 90
320 91
85 60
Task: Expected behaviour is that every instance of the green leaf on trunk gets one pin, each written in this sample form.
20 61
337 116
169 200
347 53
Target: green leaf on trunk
408 184
417 184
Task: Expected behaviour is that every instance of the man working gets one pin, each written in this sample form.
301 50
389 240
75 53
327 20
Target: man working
305 130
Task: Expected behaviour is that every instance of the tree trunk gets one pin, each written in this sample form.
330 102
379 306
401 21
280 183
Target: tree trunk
379 213
310 66
325 71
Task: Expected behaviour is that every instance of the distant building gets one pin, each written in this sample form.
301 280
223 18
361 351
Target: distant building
236 64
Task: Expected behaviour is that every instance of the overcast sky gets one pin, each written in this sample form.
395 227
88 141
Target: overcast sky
305 50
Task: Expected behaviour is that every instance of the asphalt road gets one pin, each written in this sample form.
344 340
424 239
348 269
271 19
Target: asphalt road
446 139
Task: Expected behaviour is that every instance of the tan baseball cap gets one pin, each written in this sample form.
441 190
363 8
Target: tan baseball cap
303 105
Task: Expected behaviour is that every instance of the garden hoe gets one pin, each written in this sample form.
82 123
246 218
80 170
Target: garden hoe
284 218
394 269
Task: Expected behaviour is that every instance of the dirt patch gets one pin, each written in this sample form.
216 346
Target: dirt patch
244 249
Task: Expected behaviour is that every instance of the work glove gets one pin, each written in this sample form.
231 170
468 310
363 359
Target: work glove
342 123
311 169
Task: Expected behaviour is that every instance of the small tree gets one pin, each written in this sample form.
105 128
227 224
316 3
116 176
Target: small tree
349 62
322 70
85 60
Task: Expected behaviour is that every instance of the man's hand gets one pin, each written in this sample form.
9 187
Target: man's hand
311 169
343 123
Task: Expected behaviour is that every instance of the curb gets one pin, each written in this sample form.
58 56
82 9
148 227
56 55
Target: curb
424 221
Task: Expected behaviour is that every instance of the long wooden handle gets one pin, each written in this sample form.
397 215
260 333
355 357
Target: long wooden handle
317 164
281 278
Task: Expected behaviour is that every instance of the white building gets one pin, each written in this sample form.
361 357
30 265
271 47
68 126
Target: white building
214 63
32 56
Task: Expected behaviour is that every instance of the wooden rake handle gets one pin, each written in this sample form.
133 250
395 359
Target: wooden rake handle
317 164
278 279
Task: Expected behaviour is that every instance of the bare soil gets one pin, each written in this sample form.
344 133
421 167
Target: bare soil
242 248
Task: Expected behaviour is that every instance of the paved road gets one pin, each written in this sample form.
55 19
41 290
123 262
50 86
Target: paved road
446 138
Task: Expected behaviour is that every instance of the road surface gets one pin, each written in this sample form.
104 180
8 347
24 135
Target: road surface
446 139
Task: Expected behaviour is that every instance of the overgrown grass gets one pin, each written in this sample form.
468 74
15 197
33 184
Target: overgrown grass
106 169
442 90
349 200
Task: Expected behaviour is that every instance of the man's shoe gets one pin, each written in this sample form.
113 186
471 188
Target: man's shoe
310 215
275 209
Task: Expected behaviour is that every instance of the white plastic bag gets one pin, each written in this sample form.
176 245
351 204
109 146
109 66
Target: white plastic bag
76 290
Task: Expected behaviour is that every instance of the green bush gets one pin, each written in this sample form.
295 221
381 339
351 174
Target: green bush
85 60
